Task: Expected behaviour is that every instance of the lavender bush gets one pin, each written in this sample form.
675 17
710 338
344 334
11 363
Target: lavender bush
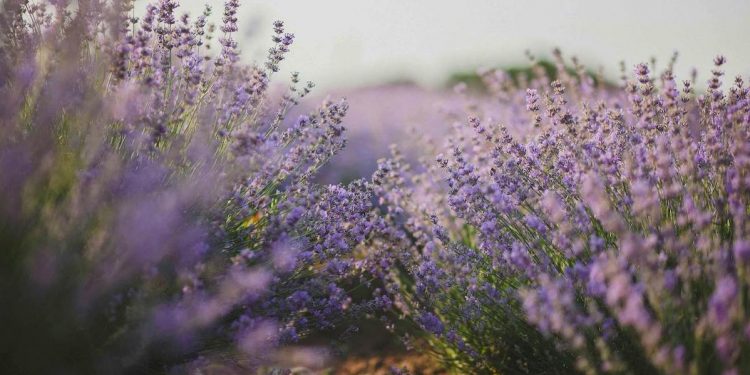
575 226
157 211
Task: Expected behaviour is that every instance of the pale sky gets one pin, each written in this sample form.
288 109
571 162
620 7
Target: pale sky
350 43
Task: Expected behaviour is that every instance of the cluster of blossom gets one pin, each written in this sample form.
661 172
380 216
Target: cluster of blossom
157 207
581 226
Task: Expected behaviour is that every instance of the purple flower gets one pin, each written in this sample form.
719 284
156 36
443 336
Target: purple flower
431 323
722 301
742 250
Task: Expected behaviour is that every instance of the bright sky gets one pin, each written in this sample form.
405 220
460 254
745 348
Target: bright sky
345 43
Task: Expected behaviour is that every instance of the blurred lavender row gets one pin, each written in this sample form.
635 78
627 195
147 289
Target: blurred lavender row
156 215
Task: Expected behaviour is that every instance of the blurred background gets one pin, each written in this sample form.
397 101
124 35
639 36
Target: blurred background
384 52
344 43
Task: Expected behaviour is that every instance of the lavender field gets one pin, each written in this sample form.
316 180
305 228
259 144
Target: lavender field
168 206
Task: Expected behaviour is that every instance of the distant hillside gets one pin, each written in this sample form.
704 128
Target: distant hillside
474 82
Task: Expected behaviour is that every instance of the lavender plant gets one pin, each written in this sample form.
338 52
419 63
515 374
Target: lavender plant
157 211
580 226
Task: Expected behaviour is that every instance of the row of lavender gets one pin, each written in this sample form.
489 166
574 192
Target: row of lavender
159 211
581 227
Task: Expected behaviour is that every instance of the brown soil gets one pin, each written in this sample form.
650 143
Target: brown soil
414 363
